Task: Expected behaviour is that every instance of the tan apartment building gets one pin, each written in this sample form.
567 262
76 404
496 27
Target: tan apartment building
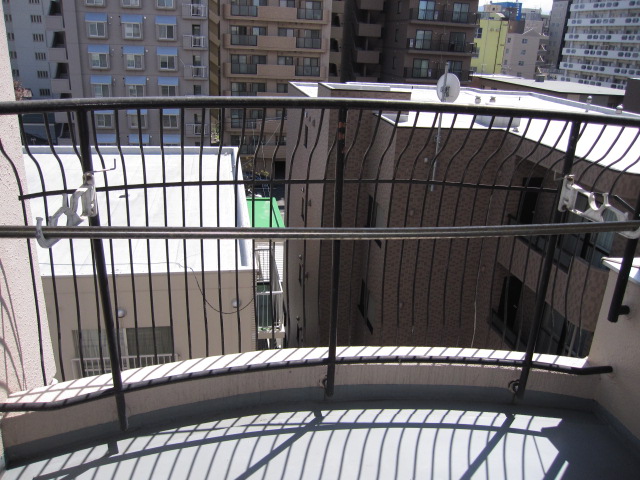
265 44
525 50
421 36
462 292
175 300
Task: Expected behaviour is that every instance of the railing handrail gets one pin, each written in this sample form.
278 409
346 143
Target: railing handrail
123 103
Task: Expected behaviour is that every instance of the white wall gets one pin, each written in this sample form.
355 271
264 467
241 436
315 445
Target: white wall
19 342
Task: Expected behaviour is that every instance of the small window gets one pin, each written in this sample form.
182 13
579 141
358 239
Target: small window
40 56
94 3
11 36
282 88
13 54
101 90
104 120
197 89
285 60
134 61
132 117
164 3
167 62
168 90
45 92
43 74
520 63
36 18
37 37
97 29
169 120
523 52
7 18
135 90
99 60
166 32
130 3
132 30
525 40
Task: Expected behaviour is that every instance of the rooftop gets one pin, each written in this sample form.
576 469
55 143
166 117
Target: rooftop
552 85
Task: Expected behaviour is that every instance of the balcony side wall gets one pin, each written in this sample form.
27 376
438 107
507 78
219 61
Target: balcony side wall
19 337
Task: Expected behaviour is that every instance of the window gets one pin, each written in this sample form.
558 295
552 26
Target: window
520 63
285 60
282 87
96 25
523 52
287 3
36 18
167 58
509 40
15 72
10 36
168 86
94 3
285 32
525 40
457 42
310 10
132 117
310 67
423 39
40 56
236 118
43 74
13 54
131 27
135 90
130 3
166 28
170 119
37 37
479 32
426 10
45 92
460 13
7 18
366 306
101 86
164 3
98 56
34 1
421 68
197 89
104 119
399 7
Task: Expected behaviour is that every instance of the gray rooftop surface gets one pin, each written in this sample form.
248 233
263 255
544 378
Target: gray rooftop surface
553 85
367 440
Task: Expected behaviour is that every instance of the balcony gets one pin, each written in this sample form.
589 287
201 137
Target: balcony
367 56
443 16
195 71
375 5
196 42
263 42
309 14
448 347
259 70
194 11
307 71
302 42
276 13
442 45
369 30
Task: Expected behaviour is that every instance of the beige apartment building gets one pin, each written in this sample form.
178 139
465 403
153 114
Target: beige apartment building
463 292
525 50
174 300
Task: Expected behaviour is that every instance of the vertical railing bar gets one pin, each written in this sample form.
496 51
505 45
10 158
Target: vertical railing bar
616 308
219 256
335 253
547 265
202 249
103 282
166 242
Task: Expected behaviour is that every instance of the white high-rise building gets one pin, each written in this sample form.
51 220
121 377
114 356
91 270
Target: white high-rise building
602 43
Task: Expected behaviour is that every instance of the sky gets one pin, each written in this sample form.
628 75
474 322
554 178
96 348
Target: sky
545 5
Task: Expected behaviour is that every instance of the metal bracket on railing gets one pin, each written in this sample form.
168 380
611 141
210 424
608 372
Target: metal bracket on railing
594 212
85 195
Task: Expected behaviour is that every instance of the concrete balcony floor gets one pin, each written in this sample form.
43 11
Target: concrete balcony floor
358 439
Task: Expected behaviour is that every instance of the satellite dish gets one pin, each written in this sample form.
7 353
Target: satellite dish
448 87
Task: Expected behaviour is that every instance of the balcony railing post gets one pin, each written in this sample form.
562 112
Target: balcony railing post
616 308
547 265
335 253
103 281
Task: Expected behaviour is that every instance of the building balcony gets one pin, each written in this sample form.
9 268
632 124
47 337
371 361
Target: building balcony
194 42
369 30
603 6
399 316
309 71
367 56
259 71
57 55
262 42
374 5
440 46
600 70
276 13
596 53
60 85
337 6
602 37
603 22
196 71
443 16
194 11
54 23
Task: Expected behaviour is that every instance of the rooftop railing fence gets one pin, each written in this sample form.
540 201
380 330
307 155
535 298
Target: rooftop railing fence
398 233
